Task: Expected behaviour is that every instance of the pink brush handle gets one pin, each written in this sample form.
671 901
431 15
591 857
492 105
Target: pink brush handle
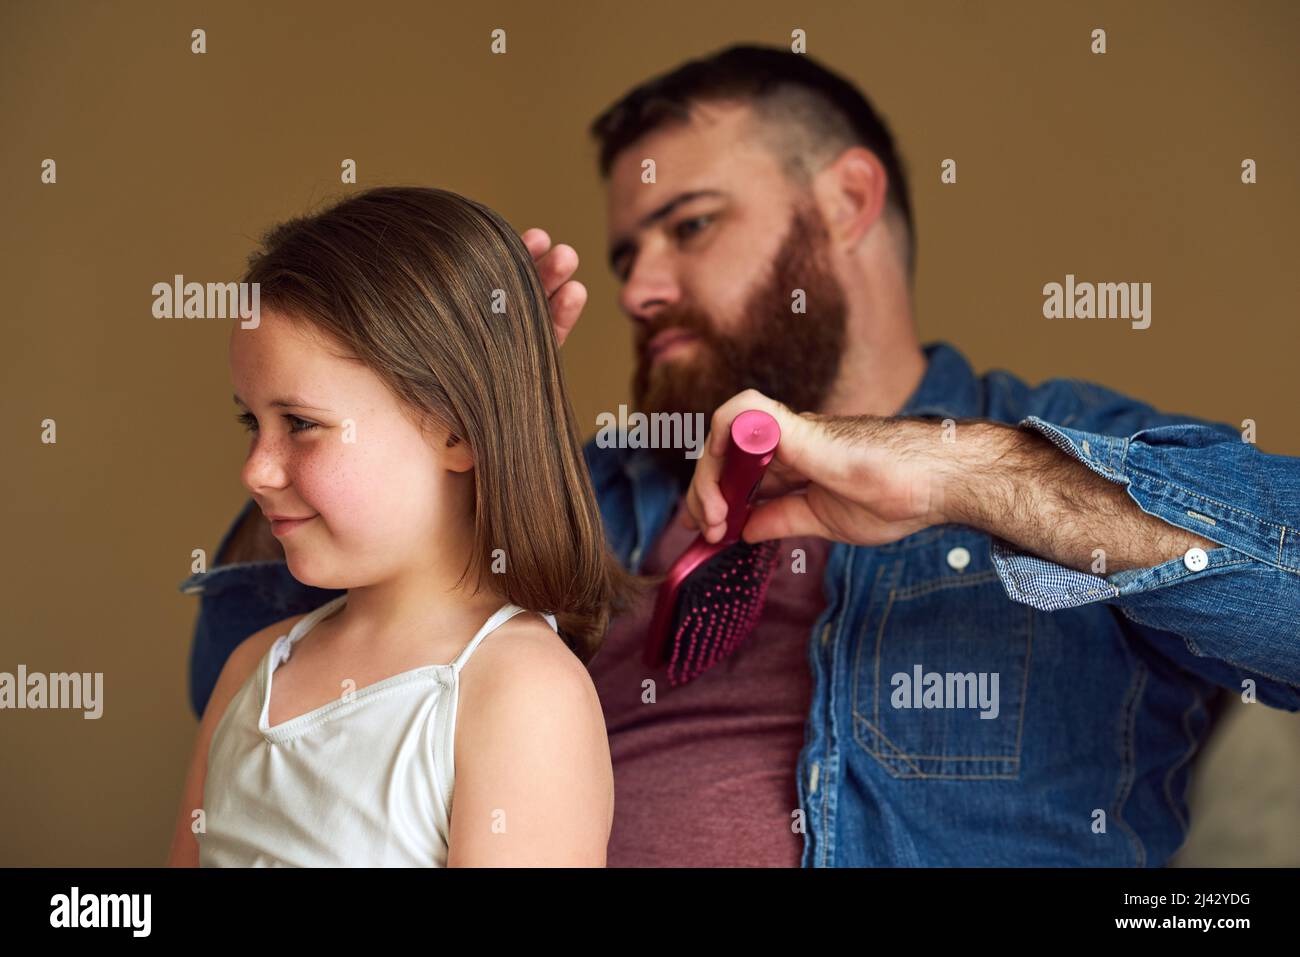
751 443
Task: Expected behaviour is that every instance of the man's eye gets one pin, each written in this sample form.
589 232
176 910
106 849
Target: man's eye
685 230
298 424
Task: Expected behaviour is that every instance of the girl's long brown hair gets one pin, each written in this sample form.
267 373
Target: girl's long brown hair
438 296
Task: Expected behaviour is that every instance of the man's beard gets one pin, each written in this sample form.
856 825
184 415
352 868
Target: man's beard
788 356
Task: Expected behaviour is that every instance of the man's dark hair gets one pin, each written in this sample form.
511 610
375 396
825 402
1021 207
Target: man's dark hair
807 115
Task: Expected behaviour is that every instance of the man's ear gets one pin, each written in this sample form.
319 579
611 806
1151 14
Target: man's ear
851 194
458 457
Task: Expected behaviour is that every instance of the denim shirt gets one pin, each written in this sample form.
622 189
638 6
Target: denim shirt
1107 684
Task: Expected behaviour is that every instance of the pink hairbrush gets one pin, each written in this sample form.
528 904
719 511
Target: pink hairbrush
713 594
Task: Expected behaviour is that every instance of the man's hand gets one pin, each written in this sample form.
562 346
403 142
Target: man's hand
856 479
555 267
868 480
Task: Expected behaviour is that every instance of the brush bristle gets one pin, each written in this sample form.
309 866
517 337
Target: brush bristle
718 607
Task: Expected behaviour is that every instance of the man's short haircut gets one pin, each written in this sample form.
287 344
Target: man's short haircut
807 116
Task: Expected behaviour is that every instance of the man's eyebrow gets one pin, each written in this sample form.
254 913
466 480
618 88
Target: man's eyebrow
624 245
288 402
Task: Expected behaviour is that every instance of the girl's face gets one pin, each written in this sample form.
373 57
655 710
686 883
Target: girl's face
332 445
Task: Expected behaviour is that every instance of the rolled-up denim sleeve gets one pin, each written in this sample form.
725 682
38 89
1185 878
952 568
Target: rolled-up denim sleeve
1238 603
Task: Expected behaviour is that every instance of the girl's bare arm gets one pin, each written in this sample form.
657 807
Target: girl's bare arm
534 783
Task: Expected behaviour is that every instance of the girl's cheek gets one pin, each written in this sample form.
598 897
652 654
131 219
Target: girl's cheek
358 487
332 483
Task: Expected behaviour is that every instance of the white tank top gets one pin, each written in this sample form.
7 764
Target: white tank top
364 781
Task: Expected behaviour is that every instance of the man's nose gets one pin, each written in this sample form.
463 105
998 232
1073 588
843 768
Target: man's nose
650 288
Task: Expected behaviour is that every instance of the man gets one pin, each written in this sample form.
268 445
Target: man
1003 616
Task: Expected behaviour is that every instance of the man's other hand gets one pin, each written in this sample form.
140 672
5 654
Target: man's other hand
555 267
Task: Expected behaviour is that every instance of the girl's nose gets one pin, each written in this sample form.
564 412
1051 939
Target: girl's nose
264 468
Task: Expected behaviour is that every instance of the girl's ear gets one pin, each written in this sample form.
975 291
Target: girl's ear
457 455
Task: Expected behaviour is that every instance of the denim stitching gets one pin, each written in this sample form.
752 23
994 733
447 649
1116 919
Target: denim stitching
1128 760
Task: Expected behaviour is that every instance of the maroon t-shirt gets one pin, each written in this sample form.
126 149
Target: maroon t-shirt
705 775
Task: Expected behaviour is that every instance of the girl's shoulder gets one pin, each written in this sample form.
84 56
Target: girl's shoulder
244 659
524 642
523 668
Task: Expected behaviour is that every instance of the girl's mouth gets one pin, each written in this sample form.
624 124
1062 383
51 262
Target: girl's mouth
281 526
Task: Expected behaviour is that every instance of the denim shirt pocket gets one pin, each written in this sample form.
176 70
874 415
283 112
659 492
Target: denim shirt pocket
941 669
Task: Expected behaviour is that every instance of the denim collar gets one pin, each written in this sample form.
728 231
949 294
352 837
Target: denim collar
949 388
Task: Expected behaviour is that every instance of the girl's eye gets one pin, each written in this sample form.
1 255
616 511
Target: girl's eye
298 425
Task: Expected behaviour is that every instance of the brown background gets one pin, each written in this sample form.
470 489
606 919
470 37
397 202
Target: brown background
1122 167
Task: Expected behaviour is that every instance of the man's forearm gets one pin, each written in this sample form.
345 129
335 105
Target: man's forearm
1017 485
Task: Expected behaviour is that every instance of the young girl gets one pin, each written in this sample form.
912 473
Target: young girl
412 443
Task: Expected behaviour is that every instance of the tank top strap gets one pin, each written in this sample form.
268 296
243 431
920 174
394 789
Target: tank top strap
283 646
499 618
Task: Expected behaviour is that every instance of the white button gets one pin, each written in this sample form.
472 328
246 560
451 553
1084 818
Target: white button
1196 559
958 558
